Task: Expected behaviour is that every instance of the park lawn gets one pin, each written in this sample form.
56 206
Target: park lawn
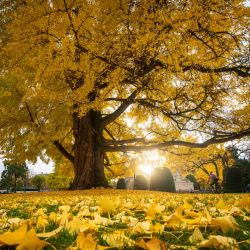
124 219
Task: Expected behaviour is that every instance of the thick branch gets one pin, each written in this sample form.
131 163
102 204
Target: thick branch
111 117
213 140
107 165
121 142
60 147
242 71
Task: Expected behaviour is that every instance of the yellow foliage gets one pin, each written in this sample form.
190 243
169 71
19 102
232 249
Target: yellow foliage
64 59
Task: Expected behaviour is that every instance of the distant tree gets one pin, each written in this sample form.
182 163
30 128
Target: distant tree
193 179
6 181
202 183
233 181
12 173
162 180
140 183
38 181
240 155
244 166
121 184
57 182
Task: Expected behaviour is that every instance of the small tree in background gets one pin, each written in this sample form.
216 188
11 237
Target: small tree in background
140 183
6 181
39 181
233 181
57 182
202 183
193 179
12 174
244 166
162 180
121 184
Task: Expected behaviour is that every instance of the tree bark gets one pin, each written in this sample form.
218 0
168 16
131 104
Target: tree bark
88 152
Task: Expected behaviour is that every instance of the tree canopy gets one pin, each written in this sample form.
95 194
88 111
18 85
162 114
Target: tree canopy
87 78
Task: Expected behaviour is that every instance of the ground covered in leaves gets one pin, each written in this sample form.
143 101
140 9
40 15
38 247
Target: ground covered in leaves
112 219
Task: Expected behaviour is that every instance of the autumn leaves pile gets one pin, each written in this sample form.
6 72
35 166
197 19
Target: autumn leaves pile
103 219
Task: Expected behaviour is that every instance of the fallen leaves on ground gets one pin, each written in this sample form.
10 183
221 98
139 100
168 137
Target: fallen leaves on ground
220 242
103 219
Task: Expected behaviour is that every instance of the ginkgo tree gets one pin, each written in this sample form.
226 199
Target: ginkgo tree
89 78
199 161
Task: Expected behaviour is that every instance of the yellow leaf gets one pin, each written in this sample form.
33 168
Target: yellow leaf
85 242
158 228
41 222
221 205
225 223
179 210
235 211
196 236
74 225
13 238
192 213
64 208
206 218
152 211
99 220
31 242
40 211
155 209
118 239
50 234
107 205
14 221
186 205
156 244
77 225
53 216
142 227
63 218
142 244
245 202
220 242
175 221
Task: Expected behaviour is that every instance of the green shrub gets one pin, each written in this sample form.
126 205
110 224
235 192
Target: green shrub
140 183
58 182
39 181
162 180
193 179
233 182
121 184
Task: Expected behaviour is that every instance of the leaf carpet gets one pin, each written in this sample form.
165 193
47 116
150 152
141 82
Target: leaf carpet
124 219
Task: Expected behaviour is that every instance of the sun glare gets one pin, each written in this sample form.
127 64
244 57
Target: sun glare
148 161
146 169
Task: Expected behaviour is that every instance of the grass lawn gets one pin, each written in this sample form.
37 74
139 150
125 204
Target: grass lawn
124 219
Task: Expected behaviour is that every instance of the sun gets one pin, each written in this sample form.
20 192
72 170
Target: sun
146 169
148 161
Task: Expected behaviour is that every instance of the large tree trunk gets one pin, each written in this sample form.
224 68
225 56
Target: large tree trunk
88 154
